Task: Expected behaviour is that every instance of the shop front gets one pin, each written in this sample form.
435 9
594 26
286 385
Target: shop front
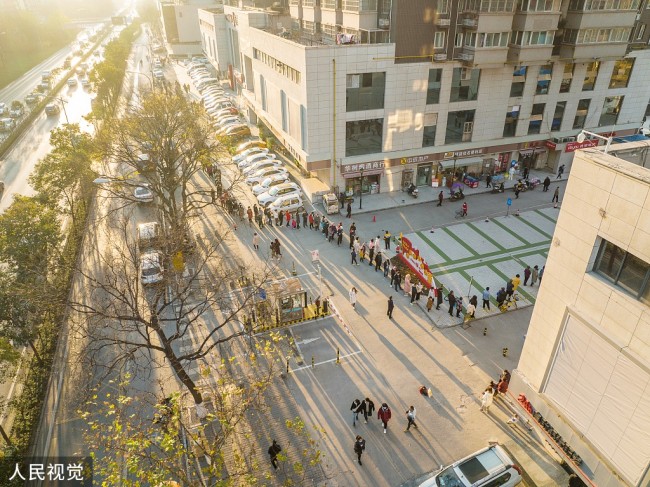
460 166
533 158
362 178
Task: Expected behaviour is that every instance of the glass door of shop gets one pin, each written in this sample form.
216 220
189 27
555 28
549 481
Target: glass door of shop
423 175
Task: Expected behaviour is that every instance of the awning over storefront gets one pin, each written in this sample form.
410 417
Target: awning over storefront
529 152
466 161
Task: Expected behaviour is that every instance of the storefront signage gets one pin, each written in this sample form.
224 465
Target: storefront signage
416 159
463 153
551 145
362 166
574 146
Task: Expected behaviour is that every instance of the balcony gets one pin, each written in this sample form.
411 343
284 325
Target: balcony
440 57
537 21
442 22
589 52
529 54
599 19
470 23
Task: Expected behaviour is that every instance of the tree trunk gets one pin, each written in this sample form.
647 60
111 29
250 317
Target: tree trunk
32 345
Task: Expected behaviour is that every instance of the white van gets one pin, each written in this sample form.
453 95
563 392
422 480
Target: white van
490 466
148 235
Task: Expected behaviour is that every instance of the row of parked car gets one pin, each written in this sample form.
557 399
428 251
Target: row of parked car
223 114
267 177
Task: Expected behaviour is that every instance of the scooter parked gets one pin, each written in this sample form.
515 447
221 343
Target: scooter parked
498 188
412 190
457 195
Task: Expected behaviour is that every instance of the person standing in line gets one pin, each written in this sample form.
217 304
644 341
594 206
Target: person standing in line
393 273
452 302
274 449
418 290
534 276
556 195
440 198
371 251
353 297
280 218
430 297
359 447
439 296
304 218
311 220
349 211
378 260
515 282
384 415
486 298
547 183
541 274
387 240
486 400
386 266
414 293
249 213
488 180
398 281
459 306
410 418
355 415
407 285
560 171
353 253
527 273
339 234
391 307
256 241
369 410
296 218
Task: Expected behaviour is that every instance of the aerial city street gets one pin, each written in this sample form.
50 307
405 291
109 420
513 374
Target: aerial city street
325 243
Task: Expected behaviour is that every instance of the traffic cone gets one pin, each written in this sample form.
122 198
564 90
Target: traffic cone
374 219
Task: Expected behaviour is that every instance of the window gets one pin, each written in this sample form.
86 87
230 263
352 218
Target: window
536 118
640 31
494 39
538 5
470 39
458 40
581 113
433 88
582 5
590 77
510 125
544 79
439 39
621 74
567 76
360 5
533 38
365 91
560 106
279 66
459 126
429 132
597 36
611 109
328 4
624 270
464 84
518 81
443 6
499 481
364 137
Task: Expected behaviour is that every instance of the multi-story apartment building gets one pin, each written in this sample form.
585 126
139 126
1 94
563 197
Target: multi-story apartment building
425 90
585 365
180 22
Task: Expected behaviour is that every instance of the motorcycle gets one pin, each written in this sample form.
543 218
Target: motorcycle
458 195
498 188
521 186
412 190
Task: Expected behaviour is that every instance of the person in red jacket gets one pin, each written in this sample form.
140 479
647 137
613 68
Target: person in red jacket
464 209
384 415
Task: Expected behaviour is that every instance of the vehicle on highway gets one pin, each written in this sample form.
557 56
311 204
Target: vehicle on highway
43 87
7 124
85 82
236 132
52 109
32 98
266 163
80 71
46 75
143 193
158 74
287 203
268 183
67 63
4 109
248 144
72 82
265 173
249 152
148 235
490 466
254 158
286 189
17 109
151 267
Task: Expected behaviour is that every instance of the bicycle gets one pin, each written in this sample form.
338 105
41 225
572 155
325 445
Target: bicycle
460 213
511 302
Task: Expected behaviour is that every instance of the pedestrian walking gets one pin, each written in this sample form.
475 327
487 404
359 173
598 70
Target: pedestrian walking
249 213
560 171
510 288
359 447
488 180
439 296
384 415
362 252
430 299
393 273
277 249
512 171
386 267
474 300
369 411
311 220
527 273
353 253
534 275
355 415
486 298
541 273
387 240
410 418
452 302
471 310
517 190
556 195
353 297
459 306
391 307
349 211
274 449
546 184
407 285
486 400
440 198
361 408
515 282
280 218
256 241
463 209
501 296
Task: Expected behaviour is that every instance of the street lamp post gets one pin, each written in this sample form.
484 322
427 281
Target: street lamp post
583 135
361 190
63 102
142 74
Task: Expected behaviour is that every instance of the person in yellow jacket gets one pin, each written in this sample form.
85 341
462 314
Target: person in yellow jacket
515 282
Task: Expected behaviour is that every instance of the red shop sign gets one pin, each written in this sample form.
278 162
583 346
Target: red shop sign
574 146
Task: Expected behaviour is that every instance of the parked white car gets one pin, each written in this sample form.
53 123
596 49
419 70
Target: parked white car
258 166
249 152
252 159
286 189
268 183
143 194
487 467
151 267
287 203
265 173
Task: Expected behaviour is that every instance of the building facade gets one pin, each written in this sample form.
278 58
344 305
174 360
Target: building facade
180 22
585 365
426 91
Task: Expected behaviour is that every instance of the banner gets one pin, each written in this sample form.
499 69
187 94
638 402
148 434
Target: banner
412 258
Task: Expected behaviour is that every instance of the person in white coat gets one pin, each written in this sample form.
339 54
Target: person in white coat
353 297
486 400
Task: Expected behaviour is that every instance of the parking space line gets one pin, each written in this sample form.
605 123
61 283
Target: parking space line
531 225
435 247
485 236
460 241
514 234
541 213
326 361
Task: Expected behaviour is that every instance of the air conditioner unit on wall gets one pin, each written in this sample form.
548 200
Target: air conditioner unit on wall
443 22
439 57
383 23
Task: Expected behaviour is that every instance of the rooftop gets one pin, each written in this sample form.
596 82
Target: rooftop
631 158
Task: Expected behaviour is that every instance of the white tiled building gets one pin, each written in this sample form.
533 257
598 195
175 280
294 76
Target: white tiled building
180 24
586 359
